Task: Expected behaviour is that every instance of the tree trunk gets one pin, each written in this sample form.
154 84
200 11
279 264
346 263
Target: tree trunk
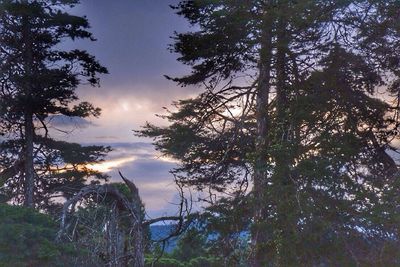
29 130
136 249
259 233
28 160
283 186
139 249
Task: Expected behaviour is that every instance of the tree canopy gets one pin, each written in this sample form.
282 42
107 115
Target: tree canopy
299 115
38 85
293 141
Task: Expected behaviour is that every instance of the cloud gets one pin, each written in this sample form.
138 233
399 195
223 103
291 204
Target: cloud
68 122
106 137
137 58
152 177
109 165
135 90
149 170
141 163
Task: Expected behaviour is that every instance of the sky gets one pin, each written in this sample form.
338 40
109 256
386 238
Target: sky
132 42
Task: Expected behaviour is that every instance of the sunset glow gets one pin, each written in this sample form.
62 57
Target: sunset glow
109 165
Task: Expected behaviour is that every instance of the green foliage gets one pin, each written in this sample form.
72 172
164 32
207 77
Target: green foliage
204 261
27 238
301 100
201 261
192 250
190 246
164 262
39 81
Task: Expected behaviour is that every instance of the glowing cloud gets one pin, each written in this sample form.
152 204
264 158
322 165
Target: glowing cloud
109 165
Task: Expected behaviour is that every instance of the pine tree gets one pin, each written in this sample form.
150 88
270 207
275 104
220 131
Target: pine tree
38 82
291 108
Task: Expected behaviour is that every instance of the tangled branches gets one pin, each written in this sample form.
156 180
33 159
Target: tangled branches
110 223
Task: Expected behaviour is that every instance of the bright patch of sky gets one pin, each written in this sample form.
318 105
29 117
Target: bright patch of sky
132 42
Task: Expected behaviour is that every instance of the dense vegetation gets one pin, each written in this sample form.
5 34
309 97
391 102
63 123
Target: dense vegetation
298 119
291 141
27 238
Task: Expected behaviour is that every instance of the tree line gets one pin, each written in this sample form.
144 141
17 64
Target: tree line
292 141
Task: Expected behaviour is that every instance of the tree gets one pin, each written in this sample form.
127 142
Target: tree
191 245
109 221
292 101
32 234
38 81
191 250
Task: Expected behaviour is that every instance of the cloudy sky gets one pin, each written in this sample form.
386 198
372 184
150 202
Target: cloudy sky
132 42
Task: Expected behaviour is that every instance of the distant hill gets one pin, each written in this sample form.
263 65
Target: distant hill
161 231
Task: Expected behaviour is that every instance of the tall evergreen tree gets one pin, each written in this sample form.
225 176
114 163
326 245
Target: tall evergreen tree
292 106
38 82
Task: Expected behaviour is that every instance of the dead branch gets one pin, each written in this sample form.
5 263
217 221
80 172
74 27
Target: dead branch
132 205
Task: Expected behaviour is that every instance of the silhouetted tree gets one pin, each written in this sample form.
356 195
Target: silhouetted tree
302 98
38 80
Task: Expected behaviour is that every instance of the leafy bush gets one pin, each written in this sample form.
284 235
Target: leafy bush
27 238
164 262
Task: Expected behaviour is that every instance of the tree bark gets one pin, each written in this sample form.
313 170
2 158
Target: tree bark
29 129
123 202
28 160
259 233
283 186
